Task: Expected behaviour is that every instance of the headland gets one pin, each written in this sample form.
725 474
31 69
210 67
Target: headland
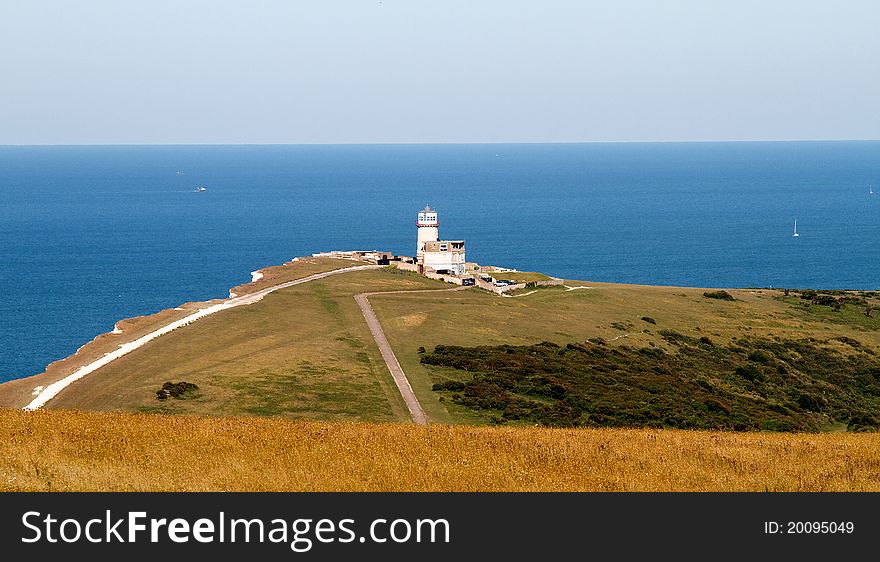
509 371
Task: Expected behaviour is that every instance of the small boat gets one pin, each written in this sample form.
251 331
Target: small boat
200 189
870 190
795 229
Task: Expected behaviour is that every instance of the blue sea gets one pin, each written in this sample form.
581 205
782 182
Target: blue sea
90 235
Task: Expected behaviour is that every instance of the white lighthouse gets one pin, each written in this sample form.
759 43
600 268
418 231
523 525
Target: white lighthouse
433 254
428 230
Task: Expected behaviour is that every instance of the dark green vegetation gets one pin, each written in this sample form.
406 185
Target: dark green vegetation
180 390
858 309
720 295
751 384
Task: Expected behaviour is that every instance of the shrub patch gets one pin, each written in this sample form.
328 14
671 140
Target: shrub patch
749 385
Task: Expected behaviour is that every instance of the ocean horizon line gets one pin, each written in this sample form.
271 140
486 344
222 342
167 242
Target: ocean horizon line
443 143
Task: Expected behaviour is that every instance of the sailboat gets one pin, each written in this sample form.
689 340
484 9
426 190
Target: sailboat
795 229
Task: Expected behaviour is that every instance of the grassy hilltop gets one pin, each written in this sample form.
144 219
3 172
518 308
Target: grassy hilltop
602 359
572 355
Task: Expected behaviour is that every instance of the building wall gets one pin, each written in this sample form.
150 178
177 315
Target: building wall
444 246
452 261
447 278
498 290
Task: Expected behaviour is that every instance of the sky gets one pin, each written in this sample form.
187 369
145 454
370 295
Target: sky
411 71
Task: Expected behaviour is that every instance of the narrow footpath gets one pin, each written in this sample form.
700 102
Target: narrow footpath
412 403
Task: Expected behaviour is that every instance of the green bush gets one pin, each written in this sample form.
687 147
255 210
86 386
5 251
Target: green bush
741 386
179 390
761 357
807 402
720 295
449 385
849 341
749 373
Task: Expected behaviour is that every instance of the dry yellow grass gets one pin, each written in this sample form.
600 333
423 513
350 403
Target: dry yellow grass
65 450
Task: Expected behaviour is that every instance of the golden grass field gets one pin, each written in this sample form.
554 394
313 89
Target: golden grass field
92 451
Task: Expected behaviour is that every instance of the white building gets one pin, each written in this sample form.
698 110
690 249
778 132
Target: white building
428 231
441 256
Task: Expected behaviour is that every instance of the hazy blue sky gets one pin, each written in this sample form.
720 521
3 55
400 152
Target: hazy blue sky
214 71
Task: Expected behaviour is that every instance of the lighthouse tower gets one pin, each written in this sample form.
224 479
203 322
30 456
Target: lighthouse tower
434 255
428 231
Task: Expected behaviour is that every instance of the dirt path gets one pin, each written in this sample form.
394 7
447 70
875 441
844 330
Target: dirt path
516 296
409 397
43 395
